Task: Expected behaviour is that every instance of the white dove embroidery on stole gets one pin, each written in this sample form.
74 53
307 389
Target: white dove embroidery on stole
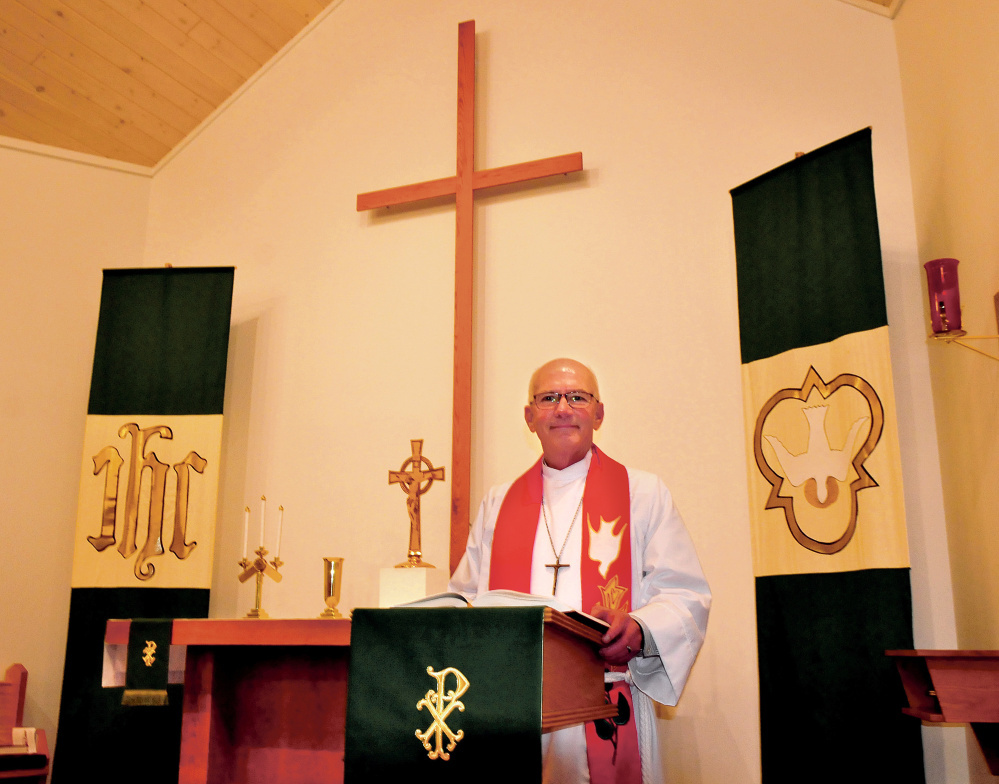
605 545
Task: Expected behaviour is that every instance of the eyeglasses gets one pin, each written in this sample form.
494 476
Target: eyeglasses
576 399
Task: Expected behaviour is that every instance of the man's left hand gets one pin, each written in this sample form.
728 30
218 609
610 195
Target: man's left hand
623 641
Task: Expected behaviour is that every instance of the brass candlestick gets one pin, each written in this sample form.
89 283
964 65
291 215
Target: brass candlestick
332 580
259 567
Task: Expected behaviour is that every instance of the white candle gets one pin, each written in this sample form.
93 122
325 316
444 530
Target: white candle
246 530
263 502
277 552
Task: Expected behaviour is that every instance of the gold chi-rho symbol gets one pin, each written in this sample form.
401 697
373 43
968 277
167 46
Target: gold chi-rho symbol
148 653
440 705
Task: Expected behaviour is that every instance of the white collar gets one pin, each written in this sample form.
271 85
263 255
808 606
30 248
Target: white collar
569 474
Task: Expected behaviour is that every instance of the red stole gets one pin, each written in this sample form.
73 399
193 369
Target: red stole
606 517
606 530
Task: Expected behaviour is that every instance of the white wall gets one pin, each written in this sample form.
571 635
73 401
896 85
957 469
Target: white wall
950 65
61 223
341 342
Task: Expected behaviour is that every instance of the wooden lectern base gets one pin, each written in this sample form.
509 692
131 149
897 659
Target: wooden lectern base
954 687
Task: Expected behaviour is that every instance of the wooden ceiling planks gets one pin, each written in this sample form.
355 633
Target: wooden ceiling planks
128 80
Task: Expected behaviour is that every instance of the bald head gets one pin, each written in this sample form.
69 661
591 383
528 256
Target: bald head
565 430
559 366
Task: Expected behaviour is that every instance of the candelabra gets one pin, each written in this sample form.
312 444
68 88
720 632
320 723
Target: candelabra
259 567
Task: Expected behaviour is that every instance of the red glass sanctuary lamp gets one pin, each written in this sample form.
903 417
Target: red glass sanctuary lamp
945 298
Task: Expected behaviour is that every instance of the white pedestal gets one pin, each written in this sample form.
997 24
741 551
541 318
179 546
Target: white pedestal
397 586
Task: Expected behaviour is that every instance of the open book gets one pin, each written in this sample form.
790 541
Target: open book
501 597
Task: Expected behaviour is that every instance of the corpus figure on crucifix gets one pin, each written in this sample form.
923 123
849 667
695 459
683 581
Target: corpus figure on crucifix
605 539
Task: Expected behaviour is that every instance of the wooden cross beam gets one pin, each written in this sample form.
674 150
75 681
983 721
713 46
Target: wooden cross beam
463 186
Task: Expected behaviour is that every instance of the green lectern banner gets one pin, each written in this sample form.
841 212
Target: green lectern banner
445 695
148 667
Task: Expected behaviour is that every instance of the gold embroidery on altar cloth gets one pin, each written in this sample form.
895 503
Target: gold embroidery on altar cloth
440 704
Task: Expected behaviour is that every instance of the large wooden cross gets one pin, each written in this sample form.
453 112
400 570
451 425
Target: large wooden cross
463 186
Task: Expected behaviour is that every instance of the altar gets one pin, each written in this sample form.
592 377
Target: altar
266 700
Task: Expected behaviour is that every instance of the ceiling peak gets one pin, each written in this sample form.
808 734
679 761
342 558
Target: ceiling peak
881 7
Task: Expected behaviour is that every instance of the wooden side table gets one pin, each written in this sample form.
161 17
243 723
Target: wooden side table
954 687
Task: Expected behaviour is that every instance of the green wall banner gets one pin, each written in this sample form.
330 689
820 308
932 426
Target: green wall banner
145 527
830 551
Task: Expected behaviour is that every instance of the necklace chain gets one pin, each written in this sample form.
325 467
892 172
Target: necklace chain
558 554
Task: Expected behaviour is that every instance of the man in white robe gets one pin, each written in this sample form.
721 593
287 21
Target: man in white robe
659 639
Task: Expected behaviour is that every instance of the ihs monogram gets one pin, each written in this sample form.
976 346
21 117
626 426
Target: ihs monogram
125 525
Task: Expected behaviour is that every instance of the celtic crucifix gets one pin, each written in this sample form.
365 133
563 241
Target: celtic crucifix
415 482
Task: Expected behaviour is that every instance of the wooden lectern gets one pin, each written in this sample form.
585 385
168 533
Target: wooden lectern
265 700
954 687
442 694
573 689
